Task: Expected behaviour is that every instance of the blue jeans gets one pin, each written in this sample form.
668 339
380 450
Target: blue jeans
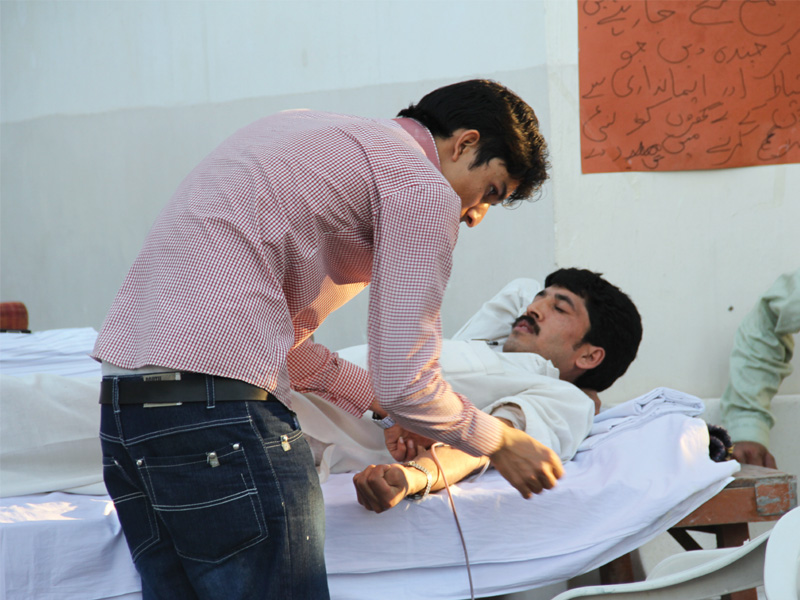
217 500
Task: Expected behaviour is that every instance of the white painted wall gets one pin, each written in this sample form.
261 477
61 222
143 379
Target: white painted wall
106 106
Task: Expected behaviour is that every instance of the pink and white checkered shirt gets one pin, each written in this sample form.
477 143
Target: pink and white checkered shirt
284 222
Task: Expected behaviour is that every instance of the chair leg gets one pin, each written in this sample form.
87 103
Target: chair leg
619 570
728 536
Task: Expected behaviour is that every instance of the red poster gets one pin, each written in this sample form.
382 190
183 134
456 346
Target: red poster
673 85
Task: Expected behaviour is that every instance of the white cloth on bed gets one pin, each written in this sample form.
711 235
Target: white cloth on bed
615 496
49 435
49 386
62 352
63 414
63 547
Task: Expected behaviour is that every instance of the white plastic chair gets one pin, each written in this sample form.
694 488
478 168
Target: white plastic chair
772 559
782 566
695 575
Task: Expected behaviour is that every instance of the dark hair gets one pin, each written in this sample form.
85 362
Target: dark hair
508 126
614 324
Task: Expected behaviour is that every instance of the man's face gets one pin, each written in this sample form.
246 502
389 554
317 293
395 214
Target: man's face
478 187
553 326
481 188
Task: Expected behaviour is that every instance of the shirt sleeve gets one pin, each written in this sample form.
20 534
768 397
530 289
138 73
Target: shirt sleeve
760 360
313 368
555 413
493 320
415 236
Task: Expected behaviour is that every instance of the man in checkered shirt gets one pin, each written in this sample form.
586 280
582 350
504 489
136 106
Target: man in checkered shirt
284 222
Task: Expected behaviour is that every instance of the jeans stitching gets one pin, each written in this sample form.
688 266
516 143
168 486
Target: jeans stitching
150 515
265 447
257 511
248 492
154 537
210 504
185 428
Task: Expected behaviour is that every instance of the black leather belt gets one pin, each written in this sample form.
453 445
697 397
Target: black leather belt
174 387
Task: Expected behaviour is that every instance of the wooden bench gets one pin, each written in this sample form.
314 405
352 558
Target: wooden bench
756 494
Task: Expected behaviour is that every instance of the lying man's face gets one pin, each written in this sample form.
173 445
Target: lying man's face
553 326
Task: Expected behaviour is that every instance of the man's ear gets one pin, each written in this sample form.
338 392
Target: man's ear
590 357
464 139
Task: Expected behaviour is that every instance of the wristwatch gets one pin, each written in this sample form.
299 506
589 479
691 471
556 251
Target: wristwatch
382 422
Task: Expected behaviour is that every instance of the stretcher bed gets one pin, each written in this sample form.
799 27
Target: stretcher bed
644 468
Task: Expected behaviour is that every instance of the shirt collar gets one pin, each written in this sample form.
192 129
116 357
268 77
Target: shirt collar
422 136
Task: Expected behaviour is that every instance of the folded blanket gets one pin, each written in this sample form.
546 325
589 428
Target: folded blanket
635 413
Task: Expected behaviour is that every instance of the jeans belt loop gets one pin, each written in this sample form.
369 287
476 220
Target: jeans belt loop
115 394
210 397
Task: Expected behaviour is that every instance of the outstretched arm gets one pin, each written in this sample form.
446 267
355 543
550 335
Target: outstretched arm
380 487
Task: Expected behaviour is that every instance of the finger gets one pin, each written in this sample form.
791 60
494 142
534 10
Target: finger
547 480
558 468
381 489
524 490
362 498
411 449
535 486
371 488
400 450
741 456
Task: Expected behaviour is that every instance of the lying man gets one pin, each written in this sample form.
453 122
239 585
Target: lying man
578 332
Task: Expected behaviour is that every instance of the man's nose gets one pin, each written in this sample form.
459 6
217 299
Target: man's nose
534 310
475 214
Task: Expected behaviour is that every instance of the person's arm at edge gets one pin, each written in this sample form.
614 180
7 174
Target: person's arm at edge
759 362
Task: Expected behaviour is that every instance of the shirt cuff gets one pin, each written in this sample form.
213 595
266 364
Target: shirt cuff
352 389
749 429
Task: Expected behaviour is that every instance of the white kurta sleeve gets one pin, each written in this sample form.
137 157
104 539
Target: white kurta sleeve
557 414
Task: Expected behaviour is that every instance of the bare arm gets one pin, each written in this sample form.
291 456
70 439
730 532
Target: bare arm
381 487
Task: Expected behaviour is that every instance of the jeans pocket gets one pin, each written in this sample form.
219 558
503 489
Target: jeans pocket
208 502
133 508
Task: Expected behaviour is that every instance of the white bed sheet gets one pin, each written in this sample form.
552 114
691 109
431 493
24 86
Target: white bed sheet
64 546
69 546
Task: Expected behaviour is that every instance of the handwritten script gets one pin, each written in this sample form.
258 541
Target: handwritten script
672 85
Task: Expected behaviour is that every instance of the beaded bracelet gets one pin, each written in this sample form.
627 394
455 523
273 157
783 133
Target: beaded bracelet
428 475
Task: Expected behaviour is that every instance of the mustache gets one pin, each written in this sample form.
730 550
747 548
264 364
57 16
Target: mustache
525 318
